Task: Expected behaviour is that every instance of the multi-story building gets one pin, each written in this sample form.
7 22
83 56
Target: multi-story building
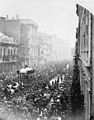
9 60
45 49
28 42
85 51
25 33
61 49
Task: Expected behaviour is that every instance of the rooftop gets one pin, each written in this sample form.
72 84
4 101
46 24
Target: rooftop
7 40
24 21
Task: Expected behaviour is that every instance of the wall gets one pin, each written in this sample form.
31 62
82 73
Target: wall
11 28
84 49
33 45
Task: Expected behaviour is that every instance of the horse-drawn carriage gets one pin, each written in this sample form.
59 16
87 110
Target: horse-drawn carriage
25 75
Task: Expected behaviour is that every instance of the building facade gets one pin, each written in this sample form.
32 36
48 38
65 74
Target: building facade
28 42
61 49
85 51
25 33
9 60
45 48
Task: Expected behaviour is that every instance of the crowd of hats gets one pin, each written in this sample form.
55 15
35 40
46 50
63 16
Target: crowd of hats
42 99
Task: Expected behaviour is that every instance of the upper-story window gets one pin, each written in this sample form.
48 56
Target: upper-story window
4 51
8 51
0 52
14 51
85 37
11 51
86 29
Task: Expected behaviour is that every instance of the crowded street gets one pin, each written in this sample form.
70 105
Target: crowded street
44 95
46 60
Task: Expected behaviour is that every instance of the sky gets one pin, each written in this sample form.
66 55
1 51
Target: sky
52 16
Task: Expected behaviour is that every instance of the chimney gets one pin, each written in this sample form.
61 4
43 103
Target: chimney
17 17
7 17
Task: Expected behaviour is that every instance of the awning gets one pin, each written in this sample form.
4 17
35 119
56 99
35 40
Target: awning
26 70
23 70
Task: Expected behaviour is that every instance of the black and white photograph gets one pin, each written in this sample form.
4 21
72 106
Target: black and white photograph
46 59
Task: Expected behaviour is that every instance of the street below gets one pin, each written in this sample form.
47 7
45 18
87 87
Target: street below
46 95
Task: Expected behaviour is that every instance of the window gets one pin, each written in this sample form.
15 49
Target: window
85 38
86 29
14 51
11 51
1 53
8 51
4 51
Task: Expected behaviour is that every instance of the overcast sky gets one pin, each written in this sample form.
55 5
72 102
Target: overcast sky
53 16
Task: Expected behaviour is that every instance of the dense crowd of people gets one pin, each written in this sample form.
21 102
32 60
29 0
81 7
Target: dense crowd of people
44 95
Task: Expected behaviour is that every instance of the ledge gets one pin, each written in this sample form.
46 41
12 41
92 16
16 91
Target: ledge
86 64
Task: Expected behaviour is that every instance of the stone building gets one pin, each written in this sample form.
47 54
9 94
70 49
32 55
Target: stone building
85 51
61 49
9 60
45 49
24 32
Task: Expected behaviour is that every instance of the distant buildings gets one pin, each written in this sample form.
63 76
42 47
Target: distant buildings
32 47
61 49
52 48
24 32
45 48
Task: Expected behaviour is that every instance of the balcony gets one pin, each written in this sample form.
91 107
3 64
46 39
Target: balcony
9 58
